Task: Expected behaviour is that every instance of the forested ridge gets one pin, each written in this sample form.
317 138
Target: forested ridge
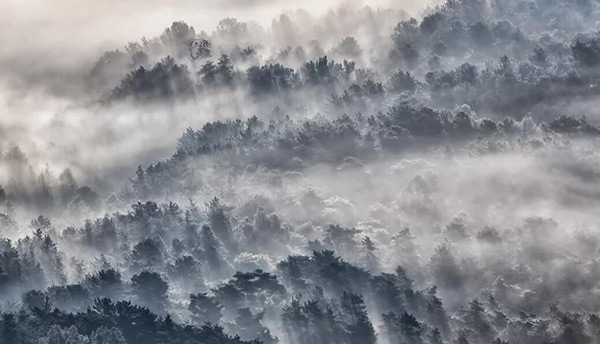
368 178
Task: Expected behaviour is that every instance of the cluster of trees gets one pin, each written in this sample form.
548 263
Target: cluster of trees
293 145
165 80
103 322
317 298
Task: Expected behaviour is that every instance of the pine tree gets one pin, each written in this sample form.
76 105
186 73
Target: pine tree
357 323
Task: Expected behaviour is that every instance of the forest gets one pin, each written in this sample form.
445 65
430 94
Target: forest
360 175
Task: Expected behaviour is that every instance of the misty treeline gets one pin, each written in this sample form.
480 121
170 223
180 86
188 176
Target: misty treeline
42 190
373 178
514 58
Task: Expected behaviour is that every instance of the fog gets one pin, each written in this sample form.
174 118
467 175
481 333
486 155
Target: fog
269 171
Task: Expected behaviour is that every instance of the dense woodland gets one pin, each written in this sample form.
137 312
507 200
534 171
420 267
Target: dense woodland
370 178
